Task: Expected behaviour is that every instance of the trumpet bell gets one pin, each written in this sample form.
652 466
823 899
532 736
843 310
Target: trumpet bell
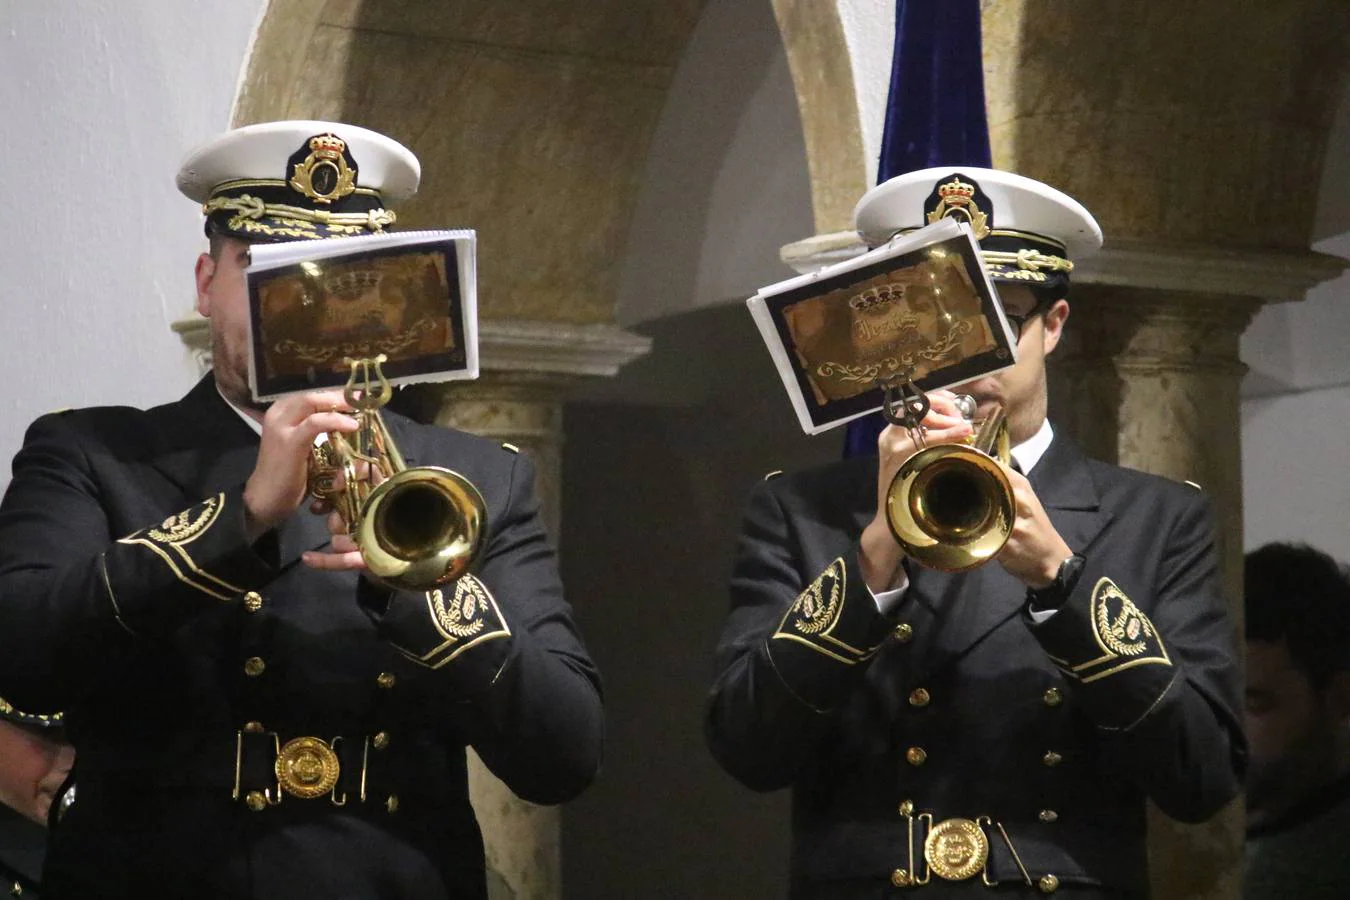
421 527
951 507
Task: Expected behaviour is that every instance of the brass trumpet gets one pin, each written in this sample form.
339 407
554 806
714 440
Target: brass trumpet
951 506
416 527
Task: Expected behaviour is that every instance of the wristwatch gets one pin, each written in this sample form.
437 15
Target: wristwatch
1053 595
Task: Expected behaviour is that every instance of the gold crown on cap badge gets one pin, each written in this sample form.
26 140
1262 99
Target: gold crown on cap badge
956 200
324 175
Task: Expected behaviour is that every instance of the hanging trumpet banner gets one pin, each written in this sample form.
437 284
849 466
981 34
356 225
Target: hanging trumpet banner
919 309
314 305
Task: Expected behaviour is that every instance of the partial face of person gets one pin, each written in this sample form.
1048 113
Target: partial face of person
1292 732
1022 389
222 296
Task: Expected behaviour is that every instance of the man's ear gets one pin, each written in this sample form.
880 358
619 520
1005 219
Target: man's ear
205 271
1053 324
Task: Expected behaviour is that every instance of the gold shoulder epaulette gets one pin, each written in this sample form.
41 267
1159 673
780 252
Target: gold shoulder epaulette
511 447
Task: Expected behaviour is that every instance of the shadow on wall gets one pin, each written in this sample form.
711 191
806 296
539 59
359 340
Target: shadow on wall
655 474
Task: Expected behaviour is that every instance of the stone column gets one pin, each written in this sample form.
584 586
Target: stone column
528 368
1149 376
1151 382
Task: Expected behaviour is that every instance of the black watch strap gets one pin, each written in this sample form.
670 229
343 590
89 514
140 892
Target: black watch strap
1053 595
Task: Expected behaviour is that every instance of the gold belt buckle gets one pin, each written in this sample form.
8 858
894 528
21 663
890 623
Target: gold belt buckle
307 768
956 849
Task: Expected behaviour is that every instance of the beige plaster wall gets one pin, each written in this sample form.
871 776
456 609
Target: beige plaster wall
532 120
1198 122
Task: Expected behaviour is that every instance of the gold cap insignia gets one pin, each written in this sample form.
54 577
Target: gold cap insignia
325 174
956 200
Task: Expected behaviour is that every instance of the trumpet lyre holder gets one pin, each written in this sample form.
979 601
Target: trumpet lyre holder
951 506
416 527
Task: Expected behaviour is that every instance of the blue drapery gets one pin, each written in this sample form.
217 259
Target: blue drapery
934 115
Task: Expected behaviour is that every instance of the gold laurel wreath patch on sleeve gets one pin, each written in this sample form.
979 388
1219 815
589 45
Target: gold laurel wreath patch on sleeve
169 542
186 525
1126 636
465 614
818 606
812 617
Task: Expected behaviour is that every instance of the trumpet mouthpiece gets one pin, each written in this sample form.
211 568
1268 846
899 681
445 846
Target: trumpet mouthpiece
966 405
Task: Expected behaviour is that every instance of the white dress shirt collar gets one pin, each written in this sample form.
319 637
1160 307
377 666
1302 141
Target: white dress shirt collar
1030 451
248 420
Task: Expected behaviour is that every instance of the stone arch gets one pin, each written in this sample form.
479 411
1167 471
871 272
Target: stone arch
498 100
827 96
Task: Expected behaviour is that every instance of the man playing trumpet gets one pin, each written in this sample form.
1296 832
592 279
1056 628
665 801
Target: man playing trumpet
1000 727
252 717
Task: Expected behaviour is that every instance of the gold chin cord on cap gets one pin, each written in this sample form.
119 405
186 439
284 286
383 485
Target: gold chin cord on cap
416 527
950 506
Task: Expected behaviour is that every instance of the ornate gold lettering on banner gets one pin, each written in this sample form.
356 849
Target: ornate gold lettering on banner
1124 634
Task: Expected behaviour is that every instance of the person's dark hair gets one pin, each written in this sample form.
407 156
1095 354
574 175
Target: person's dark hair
1300 595
217 245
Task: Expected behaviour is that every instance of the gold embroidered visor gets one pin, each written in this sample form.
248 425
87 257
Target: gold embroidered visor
318 194
1028 232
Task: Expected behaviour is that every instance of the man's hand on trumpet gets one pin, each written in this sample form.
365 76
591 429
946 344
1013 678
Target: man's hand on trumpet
879 556
1035 549
280 479
342 554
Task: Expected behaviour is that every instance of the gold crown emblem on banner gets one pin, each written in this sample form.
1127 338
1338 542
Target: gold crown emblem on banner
879 295
350 285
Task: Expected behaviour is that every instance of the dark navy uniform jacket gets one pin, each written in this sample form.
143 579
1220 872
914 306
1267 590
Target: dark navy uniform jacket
960 705
184 657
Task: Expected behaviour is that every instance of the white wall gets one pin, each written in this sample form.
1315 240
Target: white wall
1295 460
100 100
869 30
1296 407
726 183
